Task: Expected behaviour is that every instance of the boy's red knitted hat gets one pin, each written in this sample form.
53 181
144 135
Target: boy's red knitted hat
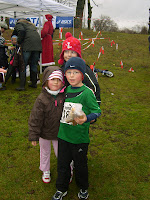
71 43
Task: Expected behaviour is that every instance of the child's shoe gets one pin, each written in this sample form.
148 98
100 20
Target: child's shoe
59 195
46 177
83 194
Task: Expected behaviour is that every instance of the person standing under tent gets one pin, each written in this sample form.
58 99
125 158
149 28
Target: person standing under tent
47 43
3 27
3 53
30 42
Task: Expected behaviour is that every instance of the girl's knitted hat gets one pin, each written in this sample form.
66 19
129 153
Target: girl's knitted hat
71 43
56 74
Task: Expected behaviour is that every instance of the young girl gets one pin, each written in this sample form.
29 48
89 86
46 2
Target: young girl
12 70
16 61
13 49
45 117
72 48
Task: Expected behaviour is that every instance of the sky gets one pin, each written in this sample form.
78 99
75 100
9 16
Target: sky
126 13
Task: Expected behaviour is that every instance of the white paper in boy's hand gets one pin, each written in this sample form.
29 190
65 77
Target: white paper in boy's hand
71 111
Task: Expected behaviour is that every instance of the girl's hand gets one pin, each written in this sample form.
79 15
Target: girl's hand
81 120
3 70
34 143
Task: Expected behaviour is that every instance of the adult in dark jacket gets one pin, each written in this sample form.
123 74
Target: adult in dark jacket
3 51
45 117
3 47
72 48
3 56
30 42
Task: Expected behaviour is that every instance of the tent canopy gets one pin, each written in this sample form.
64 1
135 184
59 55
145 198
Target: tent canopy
28 8
34 8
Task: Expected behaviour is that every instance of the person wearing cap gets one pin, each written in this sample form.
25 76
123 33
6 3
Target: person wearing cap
3 47
45 117
71 47
3 27
47 42
3 54
73 138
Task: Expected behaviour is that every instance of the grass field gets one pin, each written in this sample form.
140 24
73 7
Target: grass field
119 152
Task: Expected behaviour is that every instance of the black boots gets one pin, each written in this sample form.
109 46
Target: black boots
33 76
22 82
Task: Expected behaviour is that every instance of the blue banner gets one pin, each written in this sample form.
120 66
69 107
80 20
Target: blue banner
57 22
12 22
64 22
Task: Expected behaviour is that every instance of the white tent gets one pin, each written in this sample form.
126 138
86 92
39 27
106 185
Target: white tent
24 8
37 8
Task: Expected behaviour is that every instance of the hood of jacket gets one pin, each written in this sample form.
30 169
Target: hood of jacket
47 72
49 17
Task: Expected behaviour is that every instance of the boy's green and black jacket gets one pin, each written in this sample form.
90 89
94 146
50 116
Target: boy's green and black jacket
79 133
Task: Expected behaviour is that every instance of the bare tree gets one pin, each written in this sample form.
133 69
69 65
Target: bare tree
144 30
105 24
89 14
79 10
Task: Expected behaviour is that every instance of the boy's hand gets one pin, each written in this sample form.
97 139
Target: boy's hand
34 143
81 120
93 121
11 48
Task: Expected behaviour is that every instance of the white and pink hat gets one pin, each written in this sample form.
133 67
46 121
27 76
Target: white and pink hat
56 74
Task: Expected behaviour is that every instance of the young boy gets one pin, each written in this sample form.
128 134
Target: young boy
13 49
80 108
16 61
72 48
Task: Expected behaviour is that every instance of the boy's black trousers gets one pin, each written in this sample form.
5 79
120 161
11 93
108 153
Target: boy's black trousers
66 153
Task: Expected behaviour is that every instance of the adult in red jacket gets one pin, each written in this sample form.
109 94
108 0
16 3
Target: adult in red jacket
47 43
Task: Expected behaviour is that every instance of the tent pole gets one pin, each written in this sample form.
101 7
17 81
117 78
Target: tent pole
40 36
73 26
40 3
15 16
